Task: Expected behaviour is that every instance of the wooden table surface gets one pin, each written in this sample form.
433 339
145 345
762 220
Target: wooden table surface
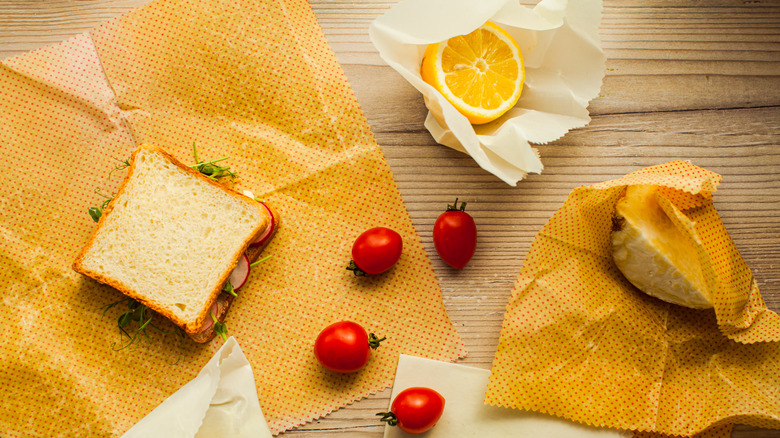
693 80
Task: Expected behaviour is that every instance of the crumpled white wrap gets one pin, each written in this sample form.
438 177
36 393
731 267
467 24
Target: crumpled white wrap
221 401
564 66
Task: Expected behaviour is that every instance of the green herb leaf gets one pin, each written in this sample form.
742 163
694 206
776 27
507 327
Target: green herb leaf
228 287
95 213
219 327
221 330
135 313
210 168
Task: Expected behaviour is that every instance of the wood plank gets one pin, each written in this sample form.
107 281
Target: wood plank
684 80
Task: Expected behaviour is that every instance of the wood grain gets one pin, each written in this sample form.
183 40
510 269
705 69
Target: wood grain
694 80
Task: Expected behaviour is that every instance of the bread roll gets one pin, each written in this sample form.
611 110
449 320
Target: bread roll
653 254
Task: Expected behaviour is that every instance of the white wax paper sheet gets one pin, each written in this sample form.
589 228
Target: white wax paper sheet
466 415
564 66
220 401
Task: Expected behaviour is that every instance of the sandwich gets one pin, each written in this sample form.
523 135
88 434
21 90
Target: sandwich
176 241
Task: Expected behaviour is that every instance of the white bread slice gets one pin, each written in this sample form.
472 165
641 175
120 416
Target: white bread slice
171 237
224 300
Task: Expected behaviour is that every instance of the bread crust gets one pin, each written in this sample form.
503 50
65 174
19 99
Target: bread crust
253 254
192 328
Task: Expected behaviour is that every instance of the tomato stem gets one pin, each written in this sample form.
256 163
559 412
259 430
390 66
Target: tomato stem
374 341
355 269
389 417
455 207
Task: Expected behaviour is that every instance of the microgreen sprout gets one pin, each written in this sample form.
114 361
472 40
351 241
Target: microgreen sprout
121 165
135 313
210 168
228 287
96 212
257 262
219 327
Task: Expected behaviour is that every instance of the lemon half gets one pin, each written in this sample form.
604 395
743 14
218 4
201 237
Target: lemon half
481 74
653 254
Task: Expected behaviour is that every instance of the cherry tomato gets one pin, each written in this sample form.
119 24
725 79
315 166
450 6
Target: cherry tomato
415 410
344 347
375 251
455 236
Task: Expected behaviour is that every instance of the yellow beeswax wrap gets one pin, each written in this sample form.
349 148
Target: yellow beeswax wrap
580 342
252 80
714 432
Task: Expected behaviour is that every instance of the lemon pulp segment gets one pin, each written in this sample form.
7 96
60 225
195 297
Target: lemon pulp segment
481 74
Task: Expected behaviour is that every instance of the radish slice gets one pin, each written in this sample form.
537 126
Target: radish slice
209 322
220 304
240 273
263 237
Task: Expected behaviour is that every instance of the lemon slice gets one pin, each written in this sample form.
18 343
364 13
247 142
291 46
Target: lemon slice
481 74
653 254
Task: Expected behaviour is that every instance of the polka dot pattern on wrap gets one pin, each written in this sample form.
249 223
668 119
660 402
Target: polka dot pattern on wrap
579 341
254 81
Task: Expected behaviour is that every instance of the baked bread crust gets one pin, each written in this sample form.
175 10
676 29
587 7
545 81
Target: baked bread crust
191 328
252 253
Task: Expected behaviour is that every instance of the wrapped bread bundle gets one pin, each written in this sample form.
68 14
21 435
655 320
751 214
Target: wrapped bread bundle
586 337
654 255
